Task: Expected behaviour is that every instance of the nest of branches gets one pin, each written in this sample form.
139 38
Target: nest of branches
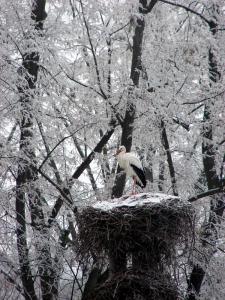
155 228
138 286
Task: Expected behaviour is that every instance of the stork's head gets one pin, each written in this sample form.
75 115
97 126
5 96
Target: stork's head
122 149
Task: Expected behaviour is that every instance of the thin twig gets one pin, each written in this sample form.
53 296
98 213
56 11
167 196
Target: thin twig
92 50
62 192
119 29
60 142
207 242
205 99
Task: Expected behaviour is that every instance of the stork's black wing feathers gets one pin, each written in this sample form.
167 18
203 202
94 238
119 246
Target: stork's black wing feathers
141 175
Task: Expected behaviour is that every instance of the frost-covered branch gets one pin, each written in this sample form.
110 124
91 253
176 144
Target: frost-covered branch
48 151
59 143
92 50
211 192
188 9
13 282
166 146
82 167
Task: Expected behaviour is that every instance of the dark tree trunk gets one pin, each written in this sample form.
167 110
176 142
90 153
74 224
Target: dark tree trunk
136 69
26 187
195 282
208 152
22 247
161 175
91 282
126 140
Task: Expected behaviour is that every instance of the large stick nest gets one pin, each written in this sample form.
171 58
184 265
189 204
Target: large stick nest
135 285
155 227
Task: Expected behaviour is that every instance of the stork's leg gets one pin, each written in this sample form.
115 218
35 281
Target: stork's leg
134 186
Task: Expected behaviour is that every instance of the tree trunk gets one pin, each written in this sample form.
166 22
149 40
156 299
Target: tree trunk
136 69
26 187
209 163
22 247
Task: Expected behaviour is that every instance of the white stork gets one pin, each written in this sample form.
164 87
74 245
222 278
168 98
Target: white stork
132 166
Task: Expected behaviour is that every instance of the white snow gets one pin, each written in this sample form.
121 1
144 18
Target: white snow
133 200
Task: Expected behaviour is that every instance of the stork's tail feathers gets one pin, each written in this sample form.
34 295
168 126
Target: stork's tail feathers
141 176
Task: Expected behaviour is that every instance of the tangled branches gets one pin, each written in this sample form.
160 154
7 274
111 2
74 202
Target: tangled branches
153 227
138 238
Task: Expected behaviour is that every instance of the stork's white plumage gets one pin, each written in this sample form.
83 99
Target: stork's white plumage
132 166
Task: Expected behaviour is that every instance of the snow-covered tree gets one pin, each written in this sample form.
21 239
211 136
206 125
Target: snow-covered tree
78 78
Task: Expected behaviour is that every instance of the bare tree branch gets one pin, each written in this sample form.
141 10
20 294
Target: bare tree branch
47 148
166 146
13 281
81 168
53 149
187 9
180 122
211 192
92 51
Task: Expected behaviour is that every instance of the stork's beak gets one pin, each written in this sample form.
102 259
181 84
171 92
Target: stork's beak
117 152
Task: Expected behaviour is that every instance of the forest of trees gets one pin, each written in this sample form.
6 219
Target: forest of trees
78 78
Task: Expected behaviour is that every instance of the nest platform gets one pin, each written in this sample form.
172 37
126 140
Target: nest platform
152 222
138 237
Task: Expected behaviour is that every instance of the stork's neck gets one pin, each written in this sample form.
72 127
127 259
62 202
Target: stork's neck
121 158
121 153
